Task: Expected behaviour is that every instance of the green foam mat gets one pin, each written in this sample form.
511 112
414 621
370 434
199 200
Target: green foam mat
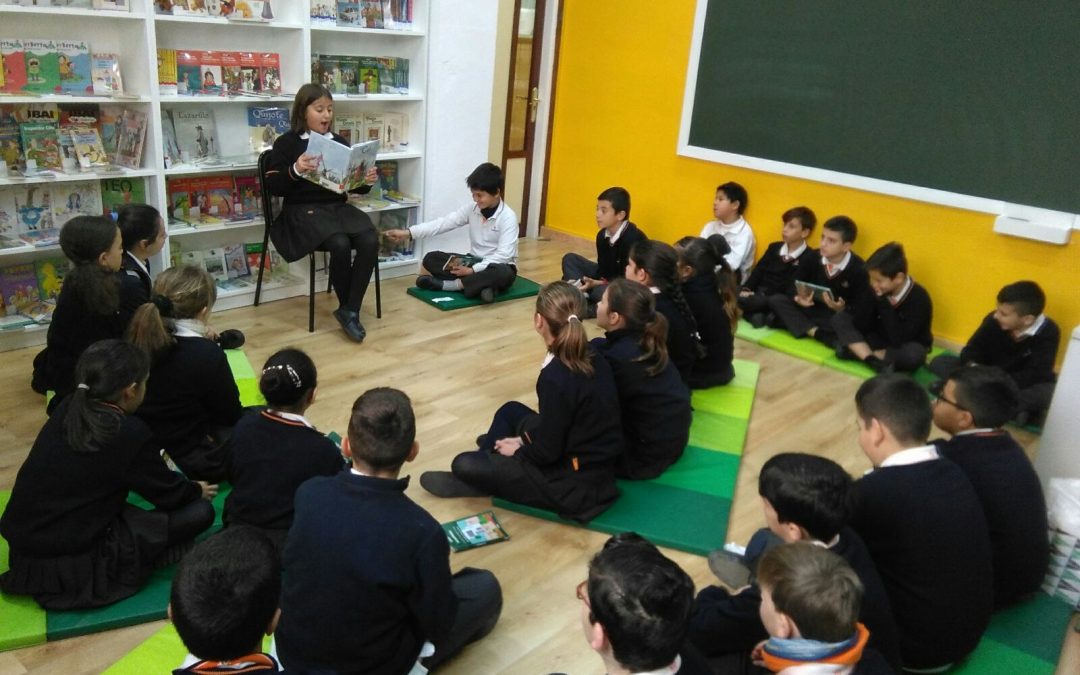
159 653
246 380
747 332
686 507
448 300
806 348
1025 638
22 622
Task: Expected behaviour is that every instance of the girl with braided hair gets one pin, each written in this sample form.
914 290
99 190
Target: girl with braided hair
710 289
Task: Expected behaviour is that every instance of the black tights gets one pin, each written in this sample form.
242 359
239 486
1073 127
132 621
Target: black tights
350 277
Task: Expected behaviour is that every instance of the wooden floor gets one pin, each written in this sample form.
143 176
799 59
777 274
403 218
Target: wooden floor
458 367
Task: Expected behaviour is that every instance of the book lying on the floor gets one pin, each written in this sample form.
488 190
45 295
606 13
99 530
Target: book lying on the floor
478 530
341 168
807 288
460 260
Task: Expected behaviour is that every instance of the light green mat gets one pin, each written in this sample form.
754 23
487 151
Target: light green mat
687 506
159 653
448 300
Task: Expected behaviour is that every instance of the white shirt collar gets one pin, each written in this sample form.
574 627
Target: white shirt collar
307 134
1034 328
292 417
672 667
923 453
969 432
798 252
547 359
138 262
898 297
839 267
189 328
655 290
498 209
733 227
612 238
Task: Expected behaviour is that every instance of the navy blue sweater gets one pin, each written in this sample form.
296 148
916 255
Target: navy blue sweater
773 275
1029 361
611 259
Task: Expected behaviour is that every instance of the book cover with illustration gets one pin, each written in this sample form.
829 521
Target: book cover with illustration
249 194
249 73
213 195
33 213
371 14
329 73
230 73
196 133
42 68
473 531
350 73
9 229
254 254
236 262
166 69
89 149
341 168
373 125
349 127
348 13
388 248
369 75
395 132
214 262
50 274
74 199
36 112
388 175
73 67
105 73
270 72
78 115
18 286
13 54
109 126
11 142
178 192
169 147
41 144
129 139
188 75
210 72
265 125
117 192
69 161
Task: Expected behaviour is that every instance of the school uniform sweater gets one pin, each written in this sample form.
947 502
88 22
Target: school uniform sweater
269 458
283 181
773 274
1012 500
611 259
924 528
74 327
190 391
655 409
682 349
713 325
850 284
721 623
366 578
135 287
1029 361
64 501
906 321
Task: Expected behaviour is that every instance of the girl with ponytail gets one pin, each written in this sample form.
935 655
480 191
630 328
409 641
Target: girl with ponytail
561 458
273 452
191 398
87 309
710 289
75 542
655 265
654 400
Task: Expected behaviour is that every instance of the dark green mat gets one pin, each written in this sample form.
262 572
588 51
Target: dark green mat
687 507
448 300
1022 639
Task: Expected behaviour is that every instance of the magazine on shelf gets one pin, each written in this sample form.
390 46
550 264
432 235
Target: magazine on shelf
341 168
474 531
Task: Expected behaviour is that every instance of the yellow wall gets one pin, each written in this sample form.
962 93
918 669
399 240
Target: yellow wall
622 69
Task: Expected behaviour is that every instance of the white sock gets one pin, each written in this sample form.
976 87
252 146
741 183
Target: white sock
452 285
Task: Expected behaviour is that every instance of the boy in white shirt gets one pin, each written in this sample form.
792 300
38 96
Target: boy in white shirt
728 207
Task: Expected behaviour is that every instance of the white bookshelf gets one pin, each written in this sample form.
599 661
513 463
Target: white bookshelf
137 35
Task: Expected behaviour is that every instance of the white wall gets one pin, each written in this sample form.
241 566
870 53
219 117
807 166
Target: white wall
461 70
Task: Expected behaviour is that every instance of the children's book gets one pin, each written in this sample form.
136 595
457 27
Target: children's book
18 286
254 253
196 133
37 112
42 67
112 5
265 125
462 260
341 168
373 126
88 147
348 13
170 148
474 531
33 212
251 10
41 145
807 288
388 175
105 73
188 74
74 199
270 72
117 192
109 125
73 66
72 115
369 75
350 74
250 195
69 161
130 137
329 73
214 262
395 132
11 142
230 72
13 54
349 127
388 248
210 72
213 195
249 73
371 14
236 263
9 227
50 276
166 64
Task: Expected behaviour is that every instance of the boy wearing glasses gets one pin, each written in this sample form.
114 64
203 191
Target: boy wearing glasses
922 522
973 405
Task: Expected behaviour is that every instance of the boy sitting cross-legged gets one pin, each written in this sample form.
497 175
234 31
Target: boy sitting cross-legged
805 498
367 572
923 524
775 272
973 405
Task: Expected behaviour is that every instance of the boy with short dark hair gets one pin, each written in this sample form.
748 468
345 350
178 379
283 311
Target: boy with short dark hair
973 405
810 600
804 498
367 572
924 527
775 272
896 331
616 236
728 207
224 600
1021 340
837 268
493 235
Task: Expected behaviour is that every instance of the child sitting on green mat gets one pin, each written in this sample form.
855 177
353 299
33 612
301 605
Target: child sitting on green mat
224 599
775 272
490 267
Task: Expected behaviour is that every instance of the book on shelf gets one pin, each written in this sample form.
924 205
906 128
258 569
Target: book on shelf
13 55
348 13
388 175
42 67
73 66
373 125
109 118
250 82
36 112
118 192
388 248
393 74
395 132
322 13
166 70
368 74
111 5
33 214
473 531
18 287
340 168
74 199
9 220
210 72
105 74
252 10
129 139
196 134
88 147
50 274
189 8
349 127
231 84
236 263
265 125
69 161
11 142
214 262
254 255
169 147
270 72
398 14
41 145
248 196
188 74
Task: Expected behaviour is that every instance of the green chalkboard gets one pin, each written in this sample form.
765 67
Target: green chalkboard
976 98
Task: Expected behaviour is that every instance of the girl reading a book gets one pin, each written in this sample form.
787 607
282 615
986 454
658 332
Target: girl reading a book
563 457
317 219
710 288
87 309
75 542
191 398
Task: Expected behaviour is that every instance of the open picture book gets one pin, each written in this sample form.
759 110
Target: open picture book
341 168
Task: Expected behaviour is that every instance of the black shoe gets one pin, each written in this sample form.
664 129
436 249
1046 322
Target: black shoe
843 353
879 366
757 320
230 339
487 296
480 440
825 336
350 323
730 568
445 484
428 283
771 321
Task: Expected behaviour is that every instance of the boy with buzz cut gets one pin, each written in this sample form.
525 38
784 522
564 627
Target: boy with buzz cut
837 268
224 600
616 236
923 524
895 334
810 600
972 405
775 272
805 498
490 266
728 207
367 572
1021 340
